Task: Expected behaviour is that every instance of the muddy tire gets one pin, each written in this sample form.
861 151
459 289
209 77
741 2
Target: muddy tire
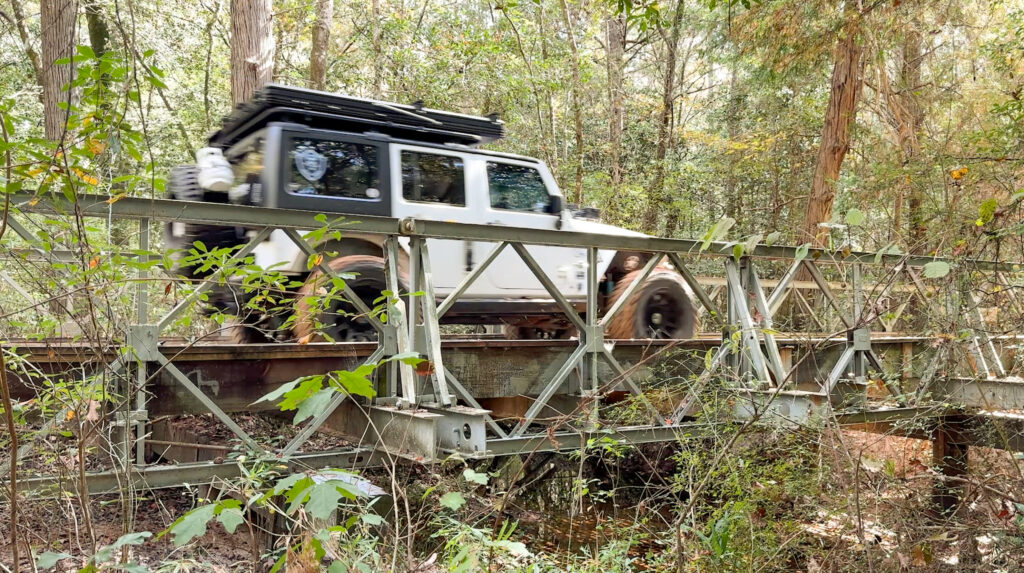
242 333
660 307
340 321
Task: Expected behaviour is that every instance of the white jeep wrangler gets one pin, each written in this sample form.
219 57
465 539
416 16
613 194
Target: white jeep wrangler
300 149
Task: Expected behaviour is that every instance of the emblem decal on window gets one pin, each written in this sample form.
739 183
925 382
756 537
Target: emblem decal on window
310 164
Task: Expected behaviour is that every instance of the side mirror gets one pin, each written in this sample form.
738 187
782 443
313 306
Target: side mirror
555 204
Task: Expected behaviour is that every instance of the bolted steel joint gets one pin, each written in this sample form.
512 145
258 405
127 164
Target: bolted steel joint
407 226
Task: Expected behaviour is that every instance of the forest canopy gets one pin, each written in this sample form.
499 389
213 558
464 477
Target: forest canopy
887 125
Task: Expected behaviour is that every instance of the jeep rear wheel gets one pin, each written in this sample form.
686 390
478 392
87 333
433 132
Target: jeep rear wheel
660 307
338 319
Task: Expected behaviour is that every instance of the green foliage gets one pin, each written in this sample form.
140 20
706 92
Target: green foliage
936 269
105 555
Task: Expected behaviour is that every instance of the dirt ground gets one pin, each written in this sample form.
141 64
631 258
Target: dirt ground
899 483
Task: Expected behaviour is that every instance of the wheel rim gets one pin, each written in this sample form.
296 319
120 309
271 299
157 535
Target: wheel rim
663 314
342 322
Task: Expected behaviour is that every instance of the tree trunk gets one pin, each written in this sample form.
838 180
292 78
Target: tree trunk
835 134
26 41
252 47
658 200
99 32
733 195
321 39
910 73
615 46
577 106
57 19
378 52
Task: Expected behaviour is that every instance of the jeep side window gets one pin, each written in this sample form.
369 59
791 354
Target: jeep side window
430 178
328 168
517 188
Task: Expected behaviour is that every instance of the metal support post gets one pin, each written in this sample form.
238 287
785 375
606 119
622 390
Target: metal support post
763 308
142 317
751 346
594 340
950 457
431 330
396 334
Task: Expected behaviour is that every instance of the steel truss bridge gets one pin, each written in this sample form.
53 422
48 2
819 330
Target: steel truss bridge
879 346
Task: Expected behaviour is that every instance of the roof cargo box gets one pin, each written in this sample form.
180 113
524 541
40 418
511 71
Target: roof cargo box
323 110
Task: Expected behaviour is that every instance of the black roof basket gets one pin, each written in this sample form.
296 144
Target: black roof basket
324 110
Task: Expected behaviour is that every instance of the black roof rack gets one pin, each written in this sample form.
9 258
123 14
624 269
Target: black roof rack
324 110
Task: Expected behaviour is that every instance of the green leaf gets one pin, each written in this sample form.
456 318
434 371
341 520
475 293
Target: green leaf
49 559
107 552
717 231
371 519
307 387
356 382
855 217
474 477
323 499
313 405
288 483
191 525
986 212
131 539
231 518
453 500
936 269
281 391
801 251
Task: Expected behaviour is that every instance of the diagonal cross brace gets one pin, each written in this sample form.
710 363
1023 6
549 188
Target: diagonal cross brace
210 405
560 299
245 251
774 358
549 390
350 295
313 425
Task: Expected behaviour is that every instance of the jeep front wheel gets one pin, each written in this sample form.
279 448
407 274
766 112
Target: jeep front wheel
338 319
660 307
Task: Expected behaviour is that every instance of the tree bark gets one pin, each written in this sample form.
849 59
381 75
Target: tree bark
835 134
658 200
321 39
577 106
252 47
909 135
57 18
99 32
615 46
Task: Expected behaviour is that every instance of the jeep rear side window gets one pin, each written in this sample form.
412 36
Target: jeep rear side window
328 168
517 188
429 178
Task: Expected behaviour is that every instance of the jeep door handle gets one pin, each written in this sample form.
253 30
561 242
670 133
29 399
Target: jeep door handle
495 223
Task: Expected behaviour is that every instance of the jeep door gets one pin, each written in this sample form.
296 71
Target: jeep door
434 184
519 196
